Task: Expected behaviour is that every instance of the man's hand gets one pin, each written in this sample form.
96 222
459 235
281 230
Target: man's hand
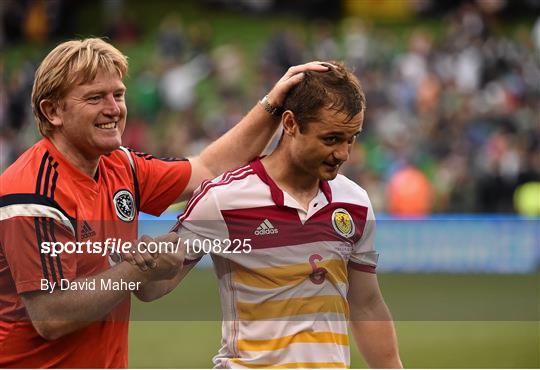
143 259
249 137
170 259
168 273
293 76
164 263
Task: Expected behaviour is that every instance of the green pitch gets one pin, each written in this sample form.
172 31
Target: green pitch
183 329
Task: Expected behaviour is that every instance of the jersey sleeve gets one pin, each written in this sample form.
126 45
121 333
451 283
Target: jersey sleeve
27 248
202 221
364 257
160 181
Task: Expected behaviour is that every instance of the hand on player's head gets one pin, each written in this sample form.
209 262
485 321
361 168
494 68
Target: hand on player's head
292 77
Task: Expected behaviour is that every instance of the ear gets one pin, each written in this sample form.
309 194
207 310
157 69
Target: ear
52 111
290 125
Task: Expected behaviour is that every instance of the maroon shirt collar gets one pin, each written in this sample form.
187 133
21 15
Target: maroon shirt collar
275 191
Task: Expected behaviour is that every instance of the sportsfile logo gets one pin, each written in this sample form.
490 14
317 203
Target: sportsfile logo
266 228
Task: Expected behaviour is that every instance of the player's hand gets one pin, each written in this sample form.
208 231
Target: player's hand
170 260
293 76
138 255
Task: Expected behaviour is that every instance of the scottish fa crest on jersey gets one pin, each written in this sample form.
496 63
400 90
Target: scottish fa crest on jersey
343 223
124 205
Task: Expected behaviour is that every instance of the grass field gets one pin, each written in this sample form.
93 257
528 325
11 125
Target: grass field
496 327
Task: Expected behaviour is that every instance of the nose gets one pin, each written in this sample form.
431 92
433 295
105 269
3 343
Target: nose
112 107
342 152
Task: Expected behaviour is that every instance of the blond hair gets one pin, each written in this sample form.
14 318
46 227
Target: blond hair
70 63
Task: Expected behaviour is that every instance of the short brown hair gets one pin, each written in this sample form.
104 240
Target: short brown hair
337 89
70 63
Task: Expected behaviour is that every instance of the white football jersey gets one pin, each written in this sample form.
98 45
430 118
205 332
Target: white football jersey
283 277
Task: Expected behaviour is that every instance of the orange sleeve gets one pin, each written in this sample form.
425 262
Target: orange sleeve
21 239
161 182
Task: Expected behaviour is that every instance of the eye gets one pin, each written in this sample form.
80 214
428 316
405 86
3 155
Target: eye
94 99
119 95
330 140
353 139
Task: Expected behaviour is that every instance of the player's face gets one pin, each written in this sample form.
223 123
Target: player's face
93 115
326 144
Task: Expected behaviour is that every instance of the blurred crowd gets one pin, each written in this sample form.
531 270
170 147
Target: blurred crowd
453 117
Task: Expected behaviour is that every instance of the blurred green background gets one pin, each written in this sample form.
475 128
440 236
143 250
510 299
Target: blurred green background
451 87
160 339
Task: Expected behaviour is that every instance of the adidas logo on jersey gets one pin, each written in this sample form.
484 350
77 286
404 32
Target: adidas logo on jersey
86 230
266 228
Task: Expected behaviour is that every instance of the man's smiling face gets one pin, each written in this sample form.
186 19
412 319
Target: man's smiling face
92 116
